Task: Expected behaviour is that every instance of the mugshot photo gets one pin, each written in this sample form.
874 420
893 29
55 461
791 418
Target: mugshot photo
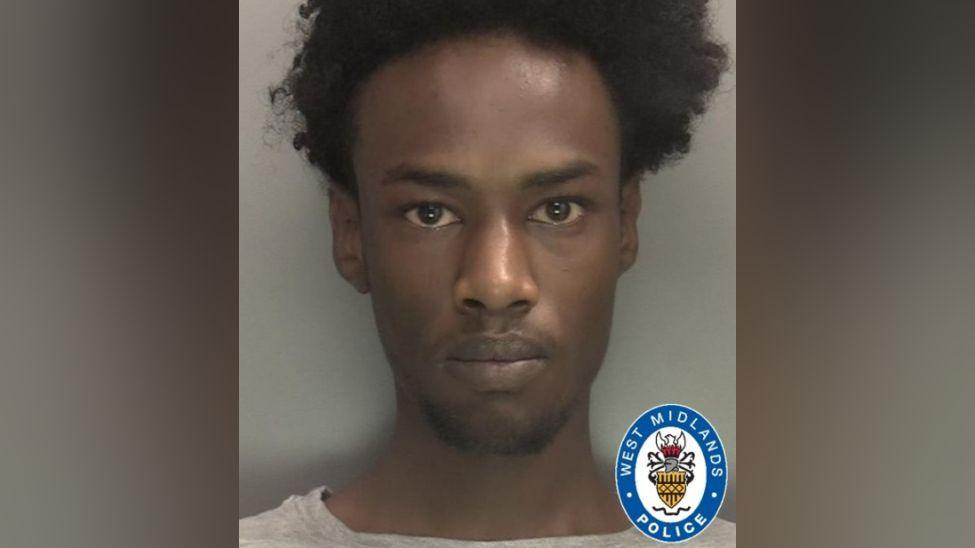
478 243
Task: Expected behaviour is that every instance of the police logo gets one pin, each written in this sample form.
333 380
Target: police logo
671 473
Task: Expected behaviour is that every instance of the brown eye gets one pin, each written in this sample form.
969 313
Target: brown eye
430 215
557 212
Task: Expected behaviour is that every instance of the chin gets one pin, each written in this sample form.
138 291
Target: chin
500 425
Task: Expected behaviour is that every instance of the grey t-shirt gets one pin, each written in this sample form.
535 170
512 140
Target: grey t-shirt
305 522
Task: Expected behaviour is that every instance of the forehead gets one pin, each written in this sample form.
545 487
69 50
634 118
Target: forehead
490 106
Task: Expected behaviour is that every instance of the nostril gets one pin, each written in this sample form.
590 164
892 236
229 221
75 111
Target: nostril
476 305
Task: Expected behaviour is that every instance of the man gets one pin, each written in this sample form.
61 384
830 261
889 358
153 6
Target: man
484 160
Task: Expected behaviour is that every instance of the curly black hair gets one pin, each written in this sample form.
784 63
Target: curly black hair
657 57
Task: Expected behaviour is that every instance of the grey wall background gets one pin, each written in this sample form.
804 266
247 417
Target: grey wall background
316 395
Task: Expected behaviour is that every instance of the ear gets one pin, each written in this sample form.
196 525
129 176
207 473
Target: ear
343 209
630 203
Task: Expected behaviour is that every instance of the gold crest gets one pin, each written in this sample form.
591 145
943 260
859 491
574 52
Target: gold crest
671 487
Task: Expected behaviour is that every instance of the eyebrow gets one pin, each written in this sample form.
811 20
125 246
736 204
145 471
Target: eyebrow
446 180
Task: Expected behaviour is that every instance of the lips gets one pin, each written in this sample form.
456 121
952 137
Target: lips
496 364
506 348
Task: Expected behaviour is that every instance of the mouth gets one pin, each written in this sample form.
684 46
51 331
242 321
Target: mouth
496 364
495 376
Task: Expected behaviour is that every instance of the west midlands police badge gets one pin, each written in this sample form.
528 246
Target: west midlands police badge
671 473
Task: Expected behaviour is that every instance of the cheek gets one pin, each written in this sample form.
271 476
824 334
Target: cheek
578 290
410 286
584 306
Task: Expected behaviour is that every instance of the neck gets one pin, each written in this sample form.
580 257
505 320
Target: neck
423 487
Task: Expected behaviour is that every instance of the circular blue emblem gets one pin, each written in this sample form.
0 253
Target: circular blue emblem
671 473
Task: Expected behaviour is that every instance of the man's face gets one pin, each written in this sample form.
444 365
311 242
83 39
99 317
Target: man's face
490 233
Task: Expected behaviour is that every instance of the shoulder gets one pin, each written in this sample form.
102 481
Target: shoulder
719 534
296 523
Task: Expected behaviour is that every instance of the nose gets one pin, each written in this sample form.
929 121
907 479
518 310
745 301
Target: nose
496 275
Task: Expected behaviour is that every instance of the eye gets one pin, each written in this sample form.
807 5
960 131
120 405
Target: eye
430 215
558 212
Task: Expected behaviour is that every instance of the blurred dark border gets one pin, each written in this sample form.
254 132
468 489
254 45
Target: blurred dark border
855 273
118 220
